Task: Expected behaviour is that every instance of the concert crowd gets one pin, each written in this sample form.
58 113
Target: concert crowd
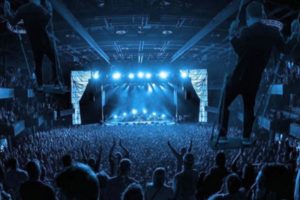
155 162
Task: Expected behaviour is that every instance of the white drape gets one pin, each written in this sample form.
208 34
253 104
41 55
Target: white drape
79 82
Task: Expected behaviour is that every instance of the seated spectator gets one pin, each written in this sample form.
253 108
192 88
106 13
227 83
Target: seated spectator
14 178
233 189
185 182
214 179
34 189
78 182
157 190
272 182
133 192
117 184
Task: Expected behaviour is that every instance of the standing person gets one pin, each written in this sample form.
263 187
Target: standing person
14 178
185 182
158 190
179 155
253 47
34 188
116 185
36 18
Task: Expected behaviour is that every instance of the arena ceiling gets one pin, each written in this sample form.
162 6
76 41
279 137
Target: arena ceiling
139 32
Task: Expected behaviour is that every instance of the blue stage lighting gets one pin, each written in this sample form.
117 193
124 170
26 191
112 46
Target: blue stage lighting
150 90
183 75
96 75
163 75
154 113
115 116
131 76
163 116
145 111
141 75
134 111
148 75
124 114
116 75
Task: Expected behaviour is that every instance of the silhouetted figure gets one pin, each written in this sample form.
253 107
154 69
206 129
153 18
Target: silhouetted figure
14 178
293 42
253 47
272 182
78 182
233 189
133 192
118 184
185 182
214 179
34 189
179 155
158 190
114 159
36 19
103 179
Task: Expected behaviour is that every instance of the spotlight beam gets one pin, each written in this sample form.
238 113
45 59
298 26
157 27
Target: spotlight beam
223 15
75 24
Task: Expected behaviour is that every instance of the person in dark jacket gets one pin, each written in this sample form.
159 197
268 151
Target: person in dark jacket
253 46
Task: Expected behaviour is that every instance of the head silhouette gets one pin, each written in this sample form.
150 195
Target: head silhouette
78 182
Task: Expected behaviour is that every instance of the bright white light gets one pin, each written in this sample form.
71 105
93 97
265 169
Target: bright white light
163 116
131 76
124 114
184 75
96 75
148 75
150 90
141 75
154 113
163 75
116 75
134 111
145 111
115 116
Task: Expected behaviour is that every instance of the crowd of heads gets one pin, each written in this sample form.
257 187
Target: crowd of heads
86 163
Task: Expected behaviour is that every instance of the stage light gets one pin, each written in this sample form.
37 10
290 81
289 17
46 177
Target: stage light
163 75
124 114
148 75
134 111
163 116
96 75
141 75
115 116
131 76
183 75
116 75
145 111
150 90
154 113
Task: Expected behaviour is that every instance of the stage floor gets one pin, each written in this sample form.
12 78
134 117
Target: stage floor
130 123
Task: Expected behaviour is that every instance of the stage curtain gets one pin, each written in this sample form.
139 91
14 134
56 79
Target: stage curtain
79 82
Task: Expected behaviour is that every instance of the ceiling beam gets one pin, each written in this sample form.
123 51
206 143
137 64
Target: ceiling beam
76 25
223 15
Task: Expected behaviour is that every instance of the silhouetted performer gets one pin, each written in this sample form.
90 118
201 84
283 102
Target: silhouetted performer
36 18
253 47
